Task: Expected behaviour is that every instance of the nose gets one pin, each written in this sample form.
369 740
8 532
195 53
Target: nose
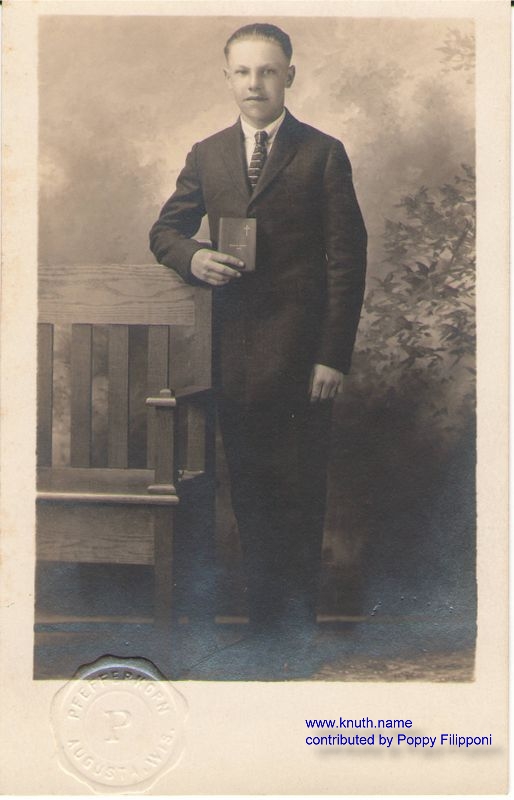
255 81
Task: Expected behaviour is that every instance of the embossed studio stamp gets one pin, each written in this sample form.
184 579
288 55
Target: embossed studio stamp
118 724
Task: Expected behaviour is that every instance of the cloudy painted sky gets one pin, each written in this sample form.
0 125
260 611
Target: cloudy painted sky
123 99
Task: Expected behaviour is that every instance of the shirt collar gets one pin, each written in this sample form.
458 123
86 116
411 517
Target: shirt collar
249 131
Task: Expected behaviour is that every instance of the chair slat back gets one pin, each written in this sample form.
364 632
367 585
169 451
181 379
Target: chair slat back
117 398
81 399
45 376
158 378
123 333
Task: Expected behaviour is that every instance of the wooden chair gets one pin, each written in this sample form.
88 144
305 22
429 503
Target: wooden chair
125 445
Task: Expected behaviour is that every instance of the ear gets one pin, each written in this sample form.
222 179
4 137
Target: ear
226 73
291 72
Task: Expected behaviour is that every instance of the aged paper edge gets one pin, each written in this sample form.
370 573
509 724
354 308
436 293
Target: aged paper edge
214 761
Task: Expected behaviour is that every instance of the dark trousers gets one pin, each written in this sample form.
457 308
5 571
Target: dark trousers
277 461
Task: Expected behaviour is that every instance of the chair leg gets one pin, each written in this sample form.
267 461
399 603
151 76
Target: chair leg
163 570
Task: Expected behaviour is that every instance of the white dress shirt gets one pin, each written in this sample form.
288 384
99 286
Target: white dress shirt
249 133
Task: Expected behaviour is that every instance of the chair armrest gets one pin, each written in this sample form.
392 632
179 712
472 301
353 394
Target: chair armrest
190 394
184 436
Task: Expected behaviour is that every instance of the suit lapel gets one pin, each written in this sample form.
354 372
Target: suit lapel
234 159
283 150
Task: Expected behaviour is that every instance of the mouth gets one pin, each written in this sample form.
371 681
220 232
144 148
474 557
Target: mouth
255 99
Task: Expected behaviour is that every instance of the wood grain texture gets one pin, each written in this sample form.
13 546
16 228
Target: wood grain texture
190 348
146 294
99 396
122 534
103 486
157 379
137 394
45 373
118 371
195 438
81 407
61 412
165 454
50 625
163 559
166 497
77 479
124 320
202 344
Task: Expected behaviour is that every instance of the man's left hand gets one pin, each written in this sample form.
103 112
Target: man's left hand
325 383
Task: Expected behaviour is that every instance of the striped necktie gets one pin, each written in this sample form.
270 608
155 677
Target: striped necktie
258 157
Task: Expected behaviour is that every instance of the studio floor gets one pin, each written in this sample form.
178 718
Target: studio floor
380 649
419 638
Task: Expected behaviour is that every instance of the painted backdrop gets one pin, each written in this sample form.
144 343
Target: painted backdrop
121 102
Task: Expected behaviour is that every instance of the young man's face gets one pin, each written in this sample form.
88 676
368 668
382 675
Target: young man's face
258 74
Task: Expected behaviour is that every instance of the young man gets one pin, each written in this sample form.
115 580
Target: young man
283 333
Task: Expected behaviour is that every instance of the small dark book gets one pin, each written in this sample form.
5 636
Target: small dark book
238 237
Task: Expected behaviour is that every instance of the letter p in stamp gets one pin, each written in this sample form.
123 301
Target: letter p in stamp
118 726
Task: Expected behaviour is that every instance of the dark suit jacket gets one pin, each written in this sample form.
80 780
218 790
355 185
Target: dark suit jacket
302 304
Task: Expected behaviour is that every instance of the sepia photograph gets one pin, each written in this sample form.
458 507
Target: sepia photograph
254 402
312 511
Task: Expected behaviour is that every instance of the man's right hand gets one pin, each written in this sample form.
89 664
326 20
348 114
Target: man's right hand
212 267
